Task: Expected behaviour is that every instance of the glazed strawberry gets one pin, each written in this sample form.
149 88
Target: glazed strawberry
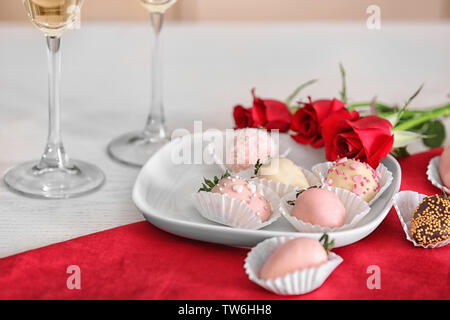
294 255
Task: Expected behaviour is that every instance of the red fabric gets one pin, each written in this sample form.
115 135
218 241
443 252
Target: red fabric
139 261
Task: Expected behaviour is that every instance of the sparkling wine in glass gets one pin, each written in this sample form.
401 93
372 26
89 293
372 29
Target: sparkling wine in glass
55 175
157 5
53 17
135 148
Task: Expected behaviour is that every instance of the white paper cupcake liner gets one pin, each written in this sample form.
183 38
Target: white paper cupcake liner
294 283
433 174
405 202
234 212
355 209
283 189
321 170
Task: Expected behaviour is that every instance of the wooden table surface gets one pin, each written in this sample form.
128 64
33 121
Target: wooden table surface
209 67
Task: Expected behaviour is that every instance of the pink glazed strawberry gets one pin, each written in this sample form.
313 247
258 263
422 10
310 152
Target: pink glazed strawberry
295 255
319 207
444 167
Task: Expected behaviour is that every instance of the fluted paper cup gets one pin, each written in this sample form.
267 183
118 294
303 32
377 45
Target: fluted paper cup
321 170
294 283
433 174
405 202
234 212
355 209
283 189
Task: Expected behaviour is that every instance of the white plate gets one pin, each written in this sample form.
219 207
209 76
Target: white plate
163 193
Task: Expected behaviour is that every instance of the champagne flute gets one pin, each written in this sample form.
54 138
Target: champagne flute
55 175
135 148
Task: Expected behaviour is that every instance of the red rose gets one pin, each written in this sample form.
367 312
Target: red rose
242 117
368 139
270 114
307 121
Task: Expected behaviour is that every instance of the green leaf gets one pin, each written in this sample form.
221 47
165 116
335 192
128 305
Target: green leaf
403 138
328 245
392 118
297 91
424 117
208 185
435 134
381 108
226 174
400 152
403 110
415 94
384 108
257 166
343 93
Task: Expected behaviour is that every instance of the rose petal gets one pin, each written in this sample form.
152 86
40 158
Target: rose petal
242 117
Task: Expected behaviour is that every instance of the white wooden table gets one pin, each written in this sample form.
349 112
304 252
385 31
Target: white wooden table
208 69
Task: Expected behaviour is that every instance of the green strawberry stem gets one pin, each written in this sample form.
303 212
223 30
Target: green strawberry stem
328 245
426 116
208 185
258 165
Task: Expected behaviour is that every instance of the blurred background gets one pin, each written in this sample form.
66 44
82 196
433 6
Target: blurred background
253 10
211 66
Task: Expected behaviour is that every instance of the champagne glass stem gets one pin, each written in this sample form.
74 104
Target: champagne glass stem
54 155
155 126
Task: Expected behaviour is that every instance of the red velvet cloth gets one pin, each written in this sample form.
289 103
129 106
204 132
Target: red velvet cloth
139 261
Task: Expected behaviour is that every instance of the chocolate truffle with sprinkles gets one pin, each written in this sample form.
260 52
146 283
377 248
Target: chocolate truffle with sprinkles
431 220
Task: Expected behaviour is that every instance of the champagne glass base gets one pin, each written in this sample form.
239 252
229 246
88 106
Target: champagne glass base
135 148
54 183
